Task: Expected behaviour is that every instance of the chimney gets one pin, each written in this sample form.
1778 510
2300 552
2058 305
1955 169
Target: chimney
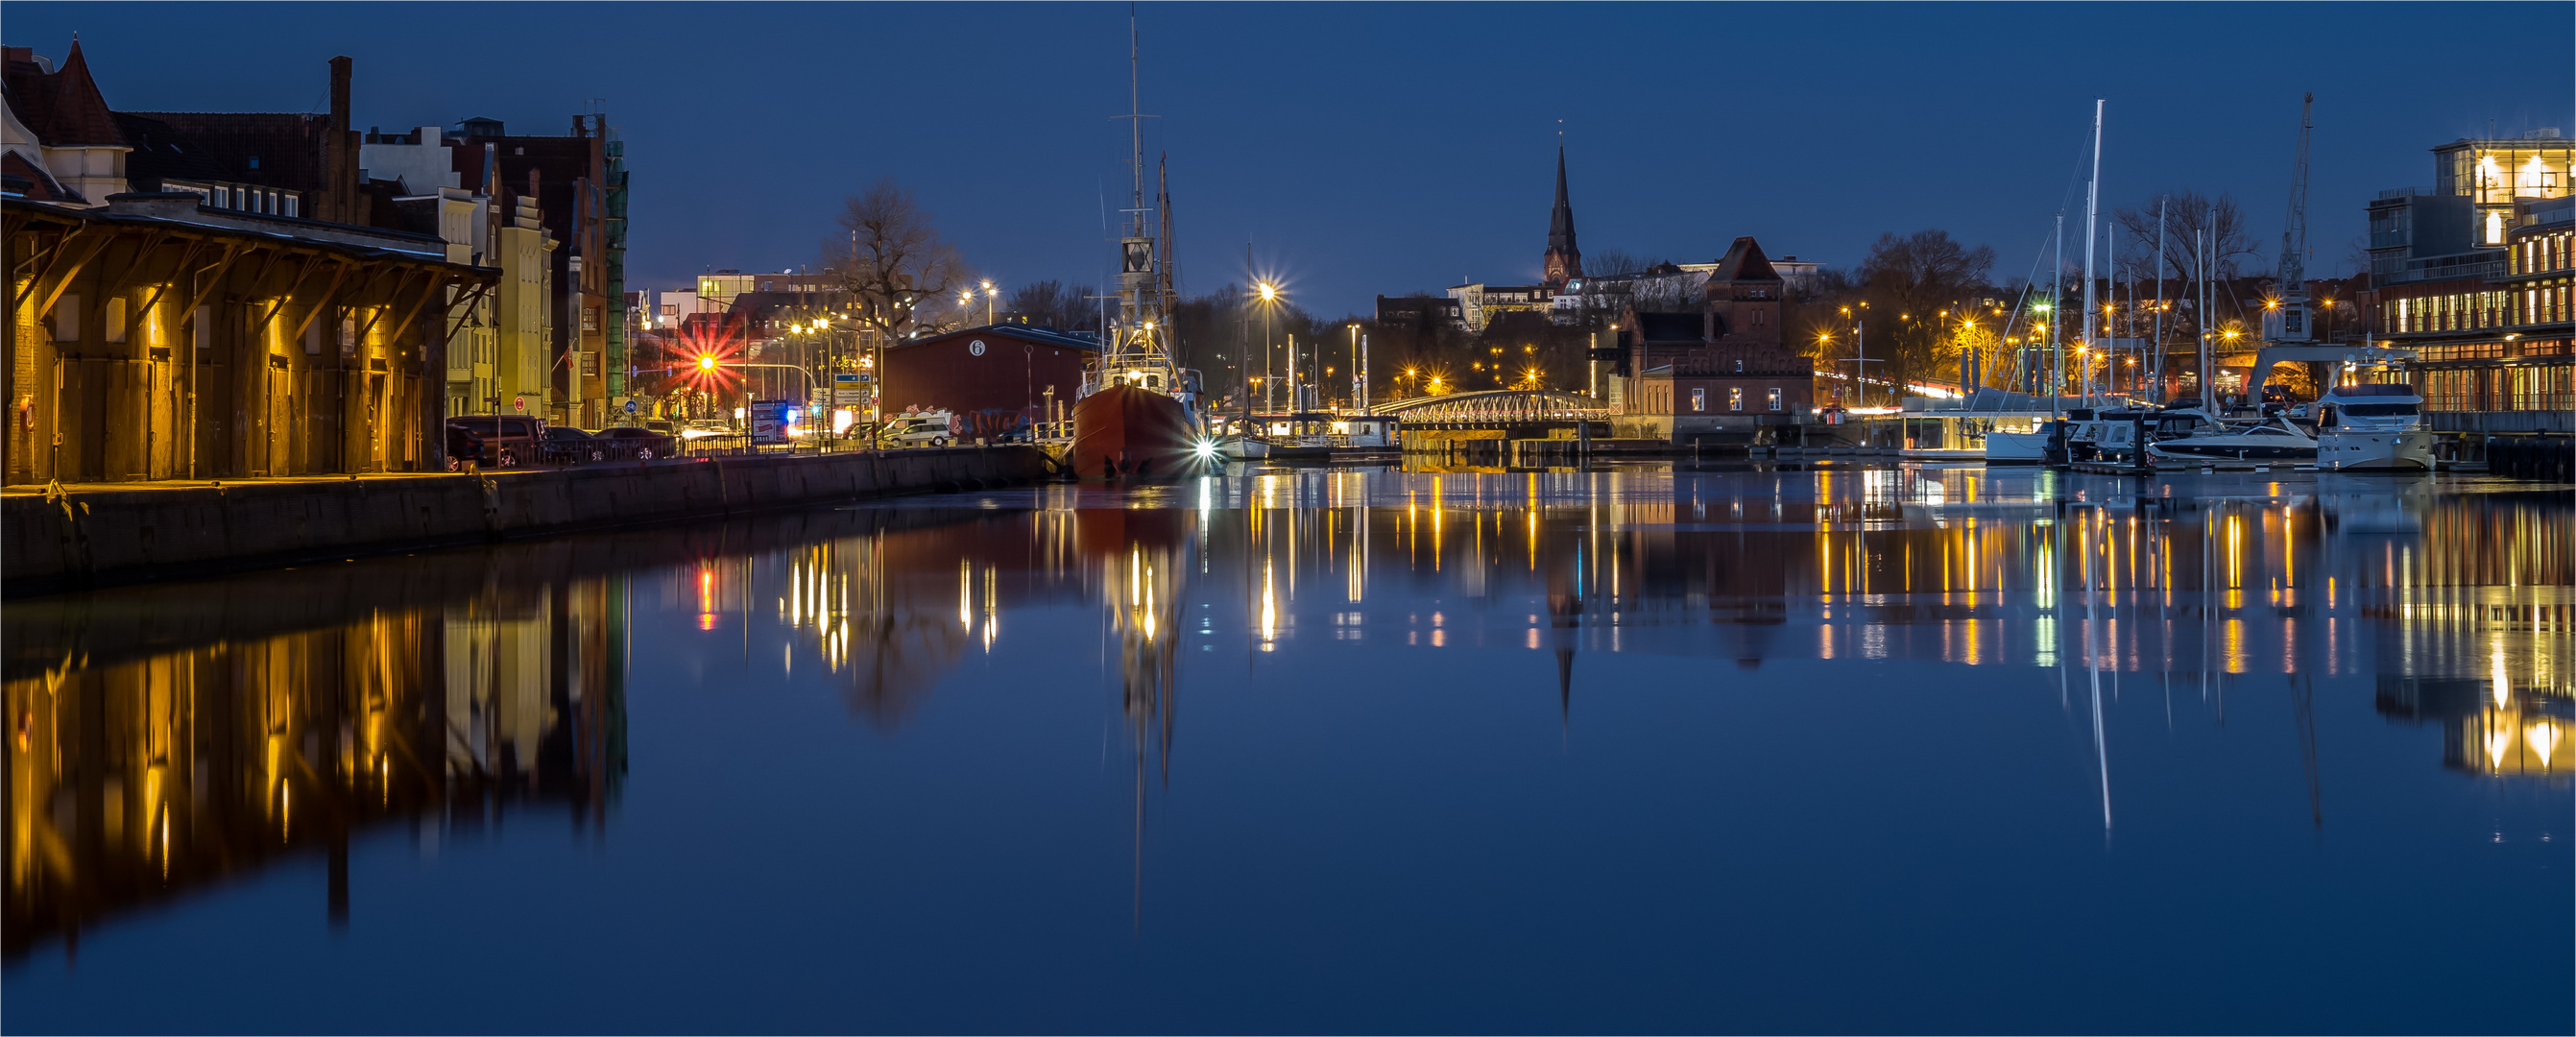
339 194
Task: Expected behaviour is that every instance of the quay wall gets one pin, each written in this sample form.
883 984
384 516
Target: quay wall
139 532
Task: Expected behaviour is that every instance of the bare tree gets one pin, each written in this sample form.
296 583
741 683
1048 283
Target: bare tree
2185 212
1911 281
892 262
1611 262
1052 304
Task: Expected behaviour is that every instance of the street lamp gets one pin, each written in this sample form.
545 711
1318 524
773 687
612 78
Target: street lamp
1269 295
990 293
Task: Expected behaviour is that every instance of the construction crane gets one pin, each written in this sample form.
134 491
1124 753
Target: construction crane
2286 320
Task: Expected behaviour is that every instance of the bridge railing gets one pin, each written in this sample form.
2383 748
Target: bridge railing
1497 405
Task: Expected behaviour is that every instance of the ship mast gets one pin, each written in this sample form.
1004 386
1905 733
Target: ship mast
1140 294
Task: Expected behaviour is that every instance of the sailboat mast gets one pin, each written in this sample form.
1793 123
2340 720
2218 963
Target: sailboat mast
2092 217
2056 316
2160 299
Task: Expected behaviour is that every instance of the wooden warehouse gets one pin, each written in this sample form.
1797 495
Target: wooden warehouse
158 338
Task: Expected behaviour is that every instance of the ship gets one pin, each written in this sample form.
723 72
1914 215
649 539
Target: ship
1138 414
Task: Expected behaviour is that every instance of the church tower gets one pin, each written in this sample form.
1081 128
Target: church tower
1564 261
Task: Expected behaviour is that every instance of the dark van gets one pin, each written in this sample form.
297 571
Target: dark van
509 440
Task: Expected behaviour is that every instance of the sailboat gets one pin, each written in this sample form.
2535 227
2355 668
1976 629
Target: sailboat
1137 414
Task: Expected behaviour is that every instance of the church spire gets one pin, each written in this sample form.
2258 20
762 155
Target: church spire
1564 262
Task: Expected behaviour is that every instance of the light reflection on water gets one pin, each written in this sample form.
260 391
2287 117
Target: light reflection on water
185 747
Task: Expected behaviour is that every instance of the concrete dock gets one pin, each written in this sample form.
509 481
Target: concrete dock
61 538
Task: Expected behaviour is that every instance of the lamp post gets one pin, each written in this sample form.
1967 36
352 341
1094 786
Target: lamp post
1269 295
990 293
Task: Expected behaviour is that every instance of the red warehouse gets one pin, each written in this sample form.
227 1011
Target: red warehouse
996 378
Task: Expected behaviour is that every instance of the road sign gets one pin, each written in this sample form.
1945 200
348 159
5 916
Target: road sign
851 389
521 403
631 407
768 421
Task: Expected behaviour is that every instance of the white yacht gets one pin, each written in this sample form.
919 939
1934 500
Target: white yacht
2378 425
2271 440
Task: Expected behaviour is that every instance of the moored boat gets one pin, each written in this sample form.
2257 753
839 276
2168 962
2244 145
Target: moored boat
2373 426
2273 440
1136 417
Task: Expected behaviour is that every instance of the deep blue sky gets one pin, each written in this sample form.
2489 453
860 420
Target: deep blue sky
1387 148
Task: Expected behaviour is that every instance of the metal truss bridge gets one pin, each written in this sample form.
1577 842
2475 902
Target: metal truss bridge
1495 408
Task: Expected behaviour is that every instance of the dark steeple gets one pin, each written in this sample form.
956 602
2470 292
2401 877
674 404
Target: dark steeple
1564 261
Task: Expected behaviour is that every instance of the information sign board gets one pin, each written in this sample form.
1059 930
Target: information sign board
769 421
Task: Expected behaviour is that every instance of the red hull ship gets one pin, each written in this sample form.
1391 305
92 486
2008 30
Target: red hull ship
1135 417
1127 432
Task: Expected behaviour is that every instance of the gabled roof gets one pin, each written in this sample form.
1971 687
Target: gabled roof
40 184
1744 261
62 108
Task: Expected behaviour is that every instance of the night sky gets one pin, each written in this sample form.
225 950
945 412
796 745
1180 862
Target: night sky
1368 149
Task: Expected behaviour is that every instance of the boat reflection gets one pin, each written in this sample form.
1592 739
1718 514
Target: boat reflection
167 738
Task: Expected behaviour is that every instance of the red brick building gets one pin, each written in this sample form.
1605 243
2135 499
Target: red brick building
997 378
1721 375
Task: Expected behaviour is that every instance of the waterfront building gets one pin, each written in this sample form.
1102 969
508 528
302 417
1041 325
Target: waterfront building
996 378
212 294
500 360
580 184
162 338
2472 275
1722 375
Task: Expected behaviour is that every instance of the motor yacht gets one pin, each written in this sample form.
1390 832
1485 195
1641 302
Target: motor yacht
2270 440
2373 426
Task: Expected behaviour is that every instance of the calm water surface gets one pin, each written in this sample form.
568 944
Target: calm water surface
1301 750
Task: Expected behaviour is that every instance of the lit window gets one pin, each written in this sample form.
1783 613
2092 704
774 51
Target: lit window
1775 399
1699 399
1735 398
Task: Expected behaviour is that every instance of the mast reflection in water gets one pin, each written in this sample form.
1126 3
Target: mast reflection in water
1737 682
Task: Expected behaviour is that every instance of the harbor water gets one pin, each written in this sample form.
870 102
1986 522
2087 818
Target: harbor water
1309 749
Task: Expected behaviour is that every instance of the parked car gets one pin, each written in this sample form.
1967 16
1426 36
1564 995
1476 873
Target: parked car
567 445
509 440
463 448
922 428
642 444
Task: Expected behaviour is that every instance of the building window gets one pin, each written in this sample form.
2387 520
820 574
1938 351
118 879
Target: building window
590 318
1699 399
116 319
1735 398
1775 399
67 318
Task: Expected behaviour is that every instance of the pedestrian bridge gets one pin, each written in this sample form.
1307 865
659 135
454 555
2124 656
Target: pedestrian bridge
1496 408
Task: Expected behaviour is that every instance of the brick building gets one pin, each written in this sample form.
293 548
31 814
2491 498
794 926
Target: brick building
1722 375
